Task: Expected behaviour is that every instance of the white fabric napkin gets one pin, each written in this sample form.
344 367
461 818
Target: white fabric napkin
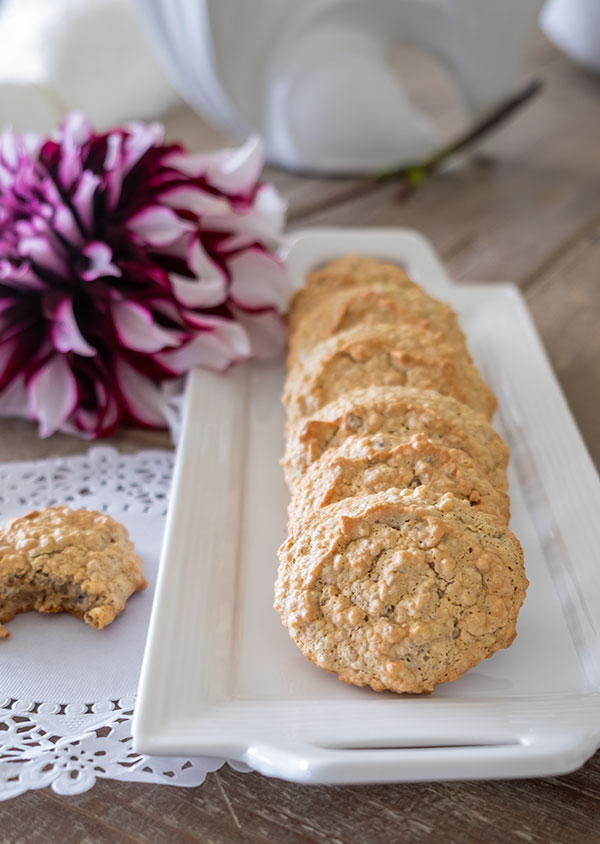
60 55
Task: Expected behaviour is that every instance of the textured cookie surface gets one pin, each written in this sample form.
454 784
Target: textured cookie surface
407 355
382 303
404 412
365 465
63 560
399 571
346 273
394 593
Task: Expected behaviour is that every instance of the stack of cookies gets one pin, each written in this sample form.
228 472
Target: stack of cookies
399 571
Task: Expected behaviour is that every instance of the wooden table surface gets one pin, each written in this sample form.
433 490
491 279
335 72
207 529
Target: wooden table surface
531 217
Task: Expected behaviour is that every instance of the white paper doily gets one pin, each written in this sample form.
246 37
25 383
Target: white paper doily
67 692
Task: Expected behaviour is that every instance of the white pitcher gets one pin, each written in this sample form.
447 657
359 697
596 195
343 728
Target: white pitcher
574 26
314 77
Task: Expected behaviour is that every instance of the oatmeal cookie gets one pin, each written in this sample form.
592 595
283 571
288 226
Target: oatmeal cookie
382 303
407 355
391 592
62 560
352 271
401 411
365 465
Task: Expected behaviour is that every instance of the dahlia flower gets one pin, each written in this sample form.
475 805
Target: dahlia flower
124 262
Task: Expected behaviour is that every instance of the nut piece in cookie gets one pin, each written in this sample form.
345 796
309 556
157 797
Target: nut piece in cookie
62 560
392 591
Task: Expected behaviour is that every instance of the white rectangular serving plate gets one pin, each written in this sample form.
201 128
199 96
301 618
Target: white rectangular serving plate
221 677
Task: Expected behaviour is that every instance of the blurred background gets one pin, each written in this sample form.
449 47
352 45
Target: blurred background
332 85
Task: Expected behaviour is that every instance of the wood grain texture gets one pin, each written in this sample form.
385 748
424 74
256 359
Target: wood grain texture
504 220
565 303
232 807
18 441
533 217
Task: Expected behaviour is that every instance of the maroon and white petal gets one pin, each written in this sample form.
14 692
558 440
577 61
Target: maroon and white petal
110 418
140 395
39 251
198 293
200 262
100 257
225 344
52 394
227 327
83 198
7 350
113 169
195 199
259 280
75 128
233 171
72 134
25 229
236 171
109 409
69 165
9 150
100 421
14 400
178 249
263 221
48 221
123 152
271 207
46 231
209 287
140 137
20 275
158 225
114 151
65 333
137 330
188 165
266 331
244 228
65 224
16 152
167 308
85 430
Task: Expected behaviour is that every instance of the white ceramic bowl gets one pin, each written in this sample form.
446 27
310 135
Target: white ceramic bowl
316 79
